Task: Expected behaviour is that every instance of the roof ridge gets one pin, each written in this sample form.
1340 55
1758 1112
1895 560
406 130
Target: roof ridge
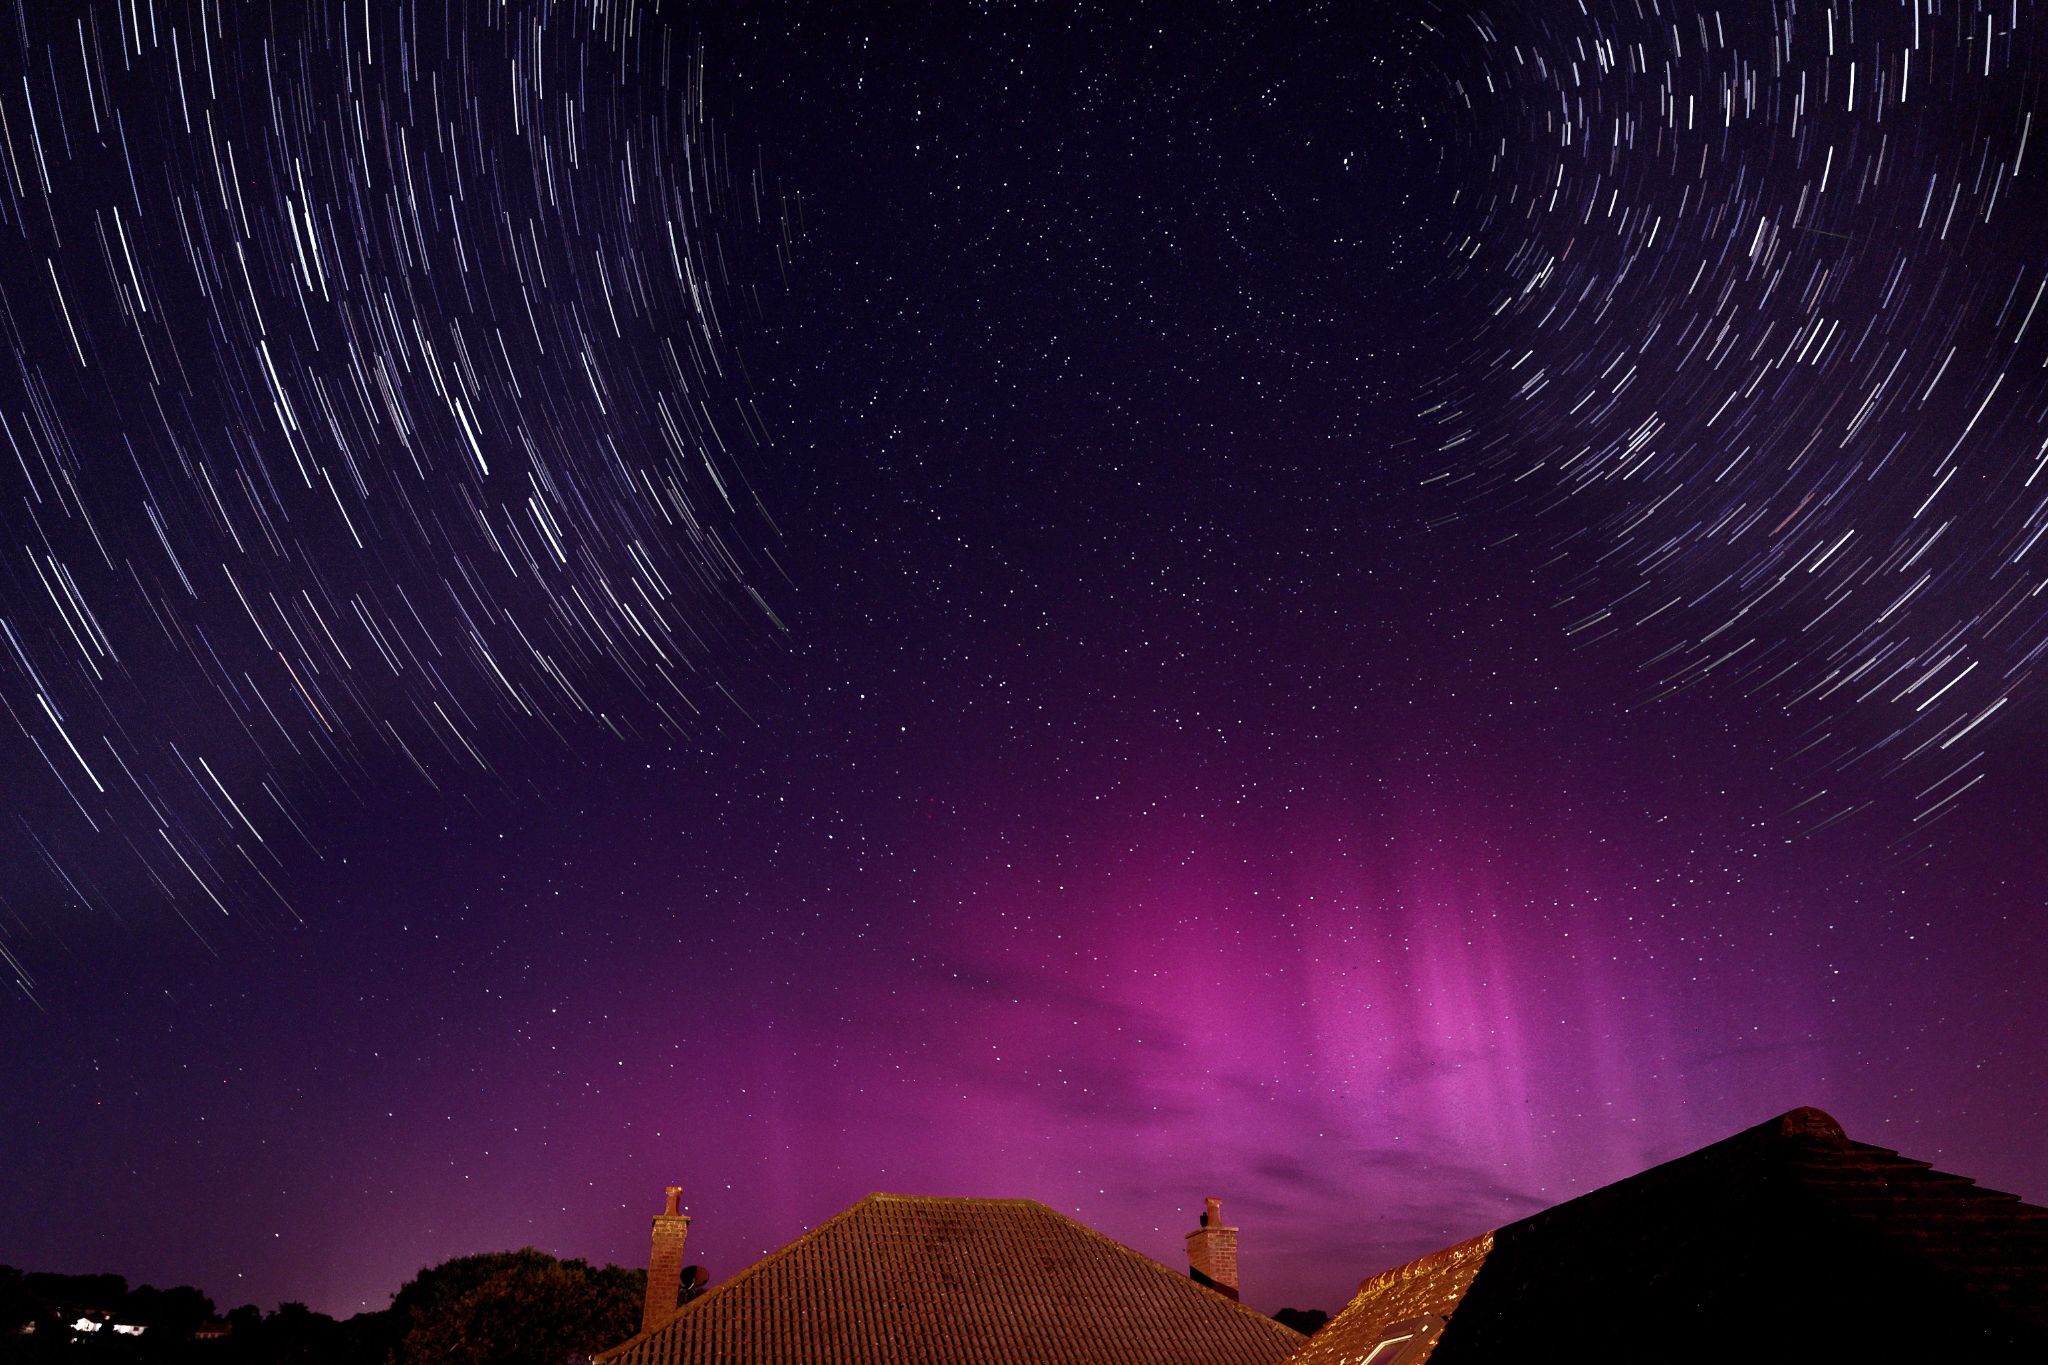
1452 1254
1807 1121
1134 1254
943 1199
703 1303
719 1290
1805 1127
1856 1218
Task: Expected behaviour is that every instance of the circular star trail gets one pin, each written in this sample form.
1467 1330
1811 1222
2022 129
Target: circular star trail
369 409
1760 349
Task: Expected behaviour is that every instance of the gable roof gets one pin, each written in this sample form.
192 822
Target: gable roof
990 1281
1786 1241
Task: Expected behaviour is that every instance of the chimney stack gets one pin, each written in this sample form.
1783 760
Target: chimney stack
1212 1251
665 1262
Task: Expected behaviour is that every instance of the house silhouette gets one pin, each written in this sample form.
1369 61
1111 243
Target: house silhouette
1786 1242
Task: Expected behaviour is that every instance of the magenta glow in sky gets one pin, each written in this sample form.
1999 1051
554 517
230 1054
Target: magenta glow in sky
1387 616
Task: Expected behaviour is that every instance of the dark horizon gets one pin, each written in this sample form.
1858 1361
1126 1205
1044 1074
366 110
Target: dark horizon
1169 1260
1390 616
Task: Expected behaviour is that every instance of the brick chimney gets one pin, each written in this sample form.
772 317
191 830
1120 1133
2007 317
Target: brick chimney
1212 1251
665 1261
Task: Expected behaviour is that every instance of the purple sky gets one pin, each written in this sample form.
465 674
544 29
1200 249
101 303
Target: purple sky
1253 521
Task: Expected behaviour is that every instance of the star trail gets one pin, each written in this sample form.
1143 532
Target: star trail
372 409
1763 359
1385 612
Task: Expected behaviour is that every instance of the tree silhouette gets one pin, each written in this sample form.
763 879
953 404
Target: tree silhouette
1307 1321
515 1308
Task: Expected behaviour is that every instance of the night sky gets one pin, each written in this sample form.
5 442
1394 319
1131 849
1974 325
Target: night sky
1387 612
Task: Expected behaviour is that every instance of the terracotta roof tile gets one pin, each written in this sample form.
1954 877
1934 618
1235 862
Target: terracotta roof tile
974 1281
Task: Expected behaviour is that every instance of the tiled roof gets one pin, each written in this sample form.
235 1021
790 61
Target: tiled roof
974 1281
1423 1289
1789 1241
